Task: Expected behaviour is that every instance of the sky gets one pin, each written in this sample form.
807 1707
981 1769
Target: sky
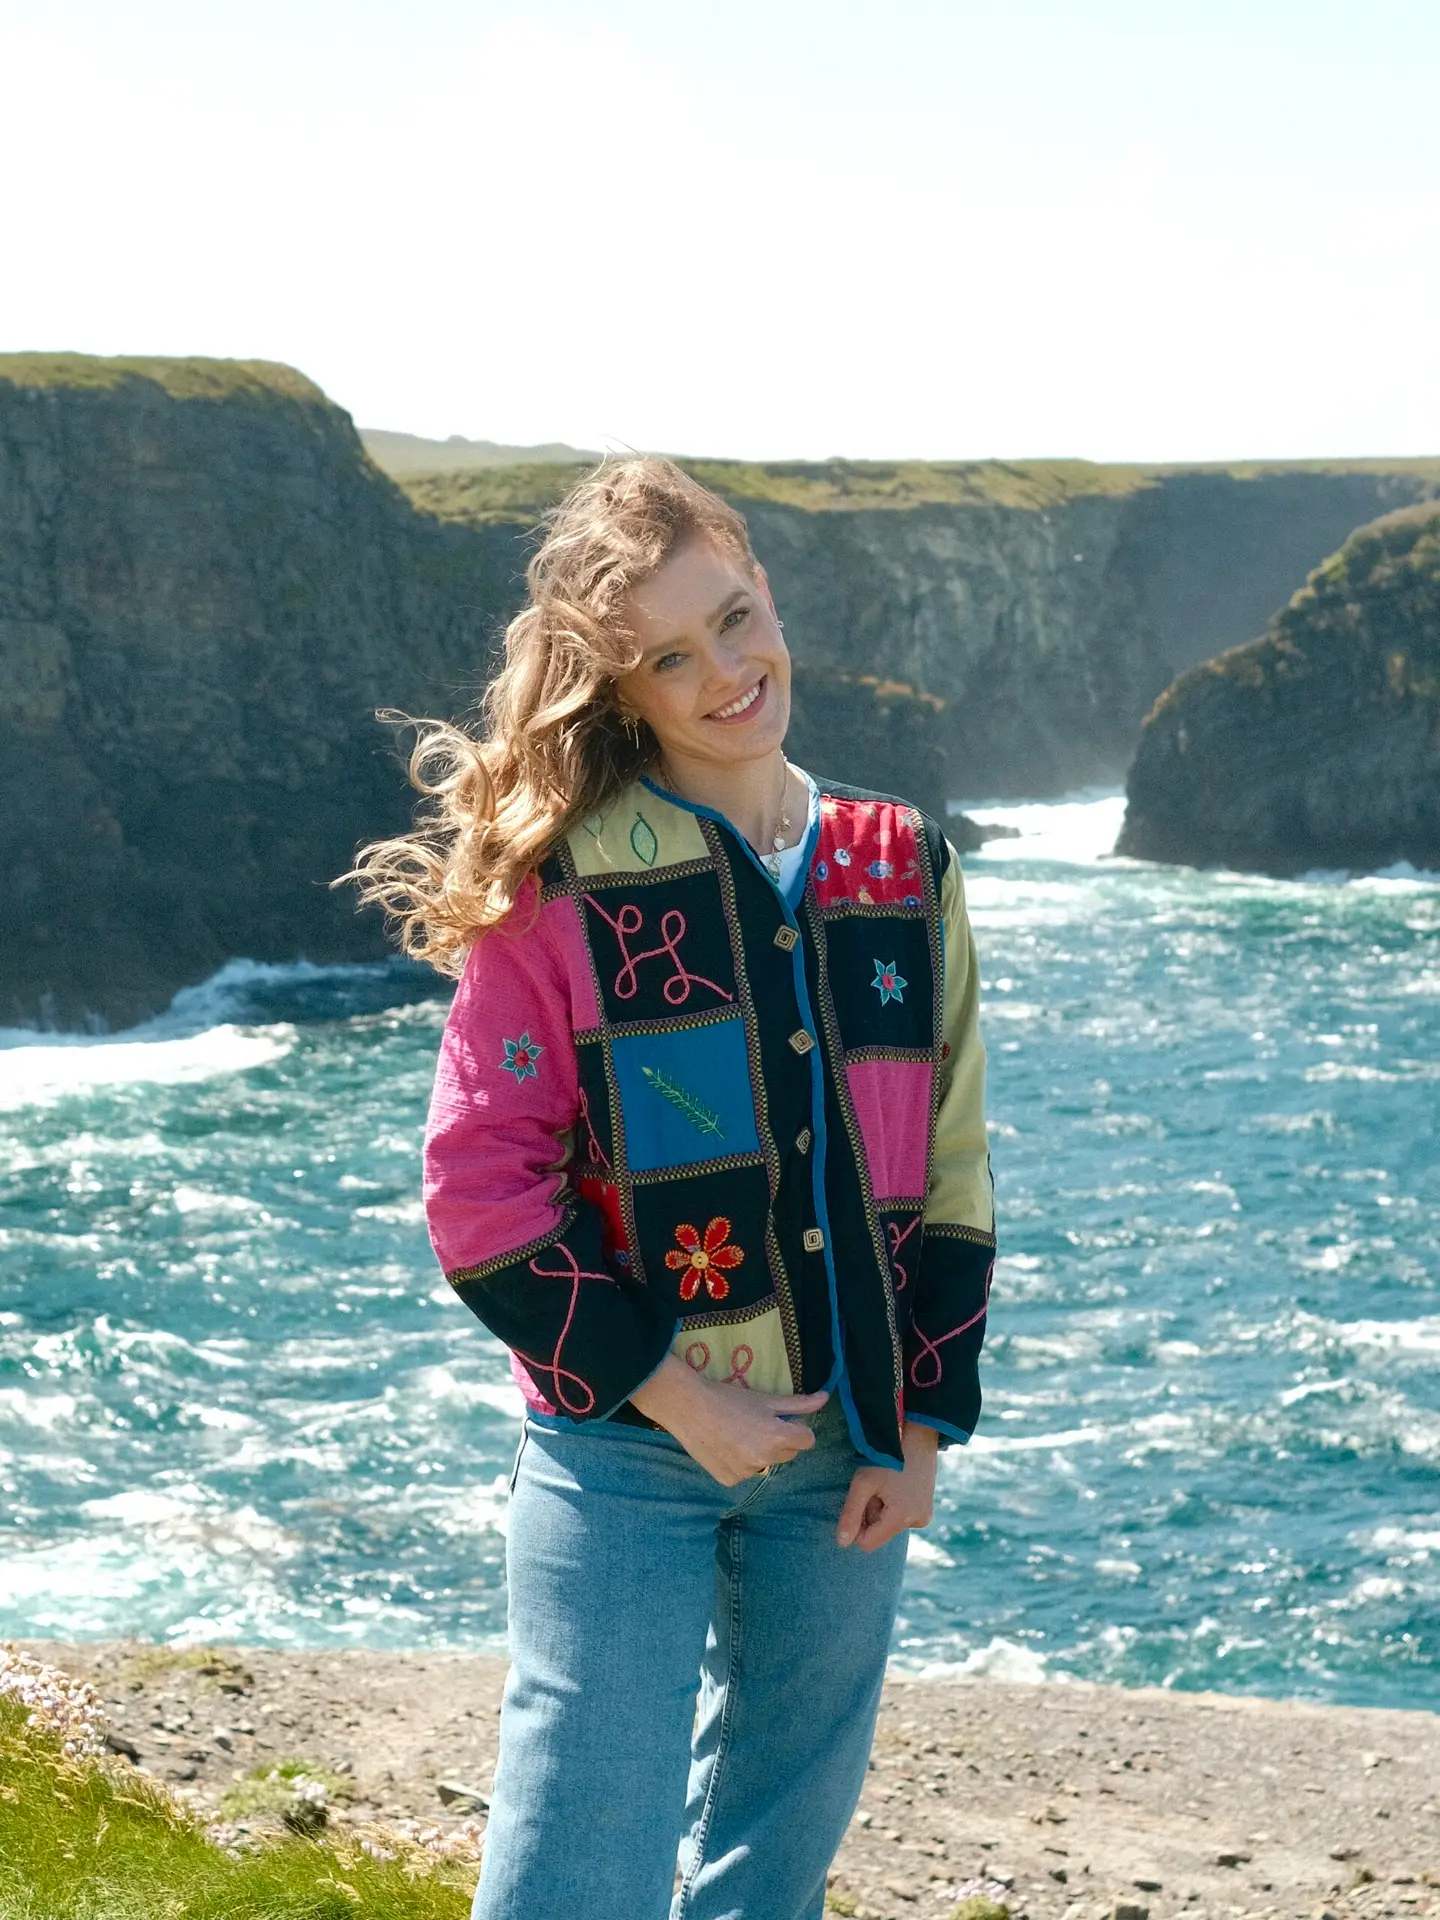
1105 229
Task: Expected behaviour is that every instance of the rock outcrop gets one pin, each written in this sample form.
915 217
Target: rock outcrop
207 588
1047 603
1317 745
206 591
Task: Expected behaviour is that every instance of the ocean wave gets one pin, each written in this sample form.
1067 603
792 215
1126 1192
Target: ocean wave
37 1072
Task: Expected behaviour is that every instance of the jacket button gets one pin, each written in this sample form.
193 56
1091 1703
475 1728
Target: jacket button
802 1041
803 1139
814 1239
785 938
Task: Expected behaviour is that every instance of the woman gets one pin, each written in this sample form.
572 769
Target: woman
707 1152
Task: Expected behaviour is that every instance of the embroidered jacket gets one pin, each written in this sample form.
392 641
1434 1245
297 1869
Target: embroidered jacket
670 1112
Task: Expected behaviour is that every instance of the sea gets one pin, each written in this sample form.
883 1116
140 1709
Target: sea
237 1400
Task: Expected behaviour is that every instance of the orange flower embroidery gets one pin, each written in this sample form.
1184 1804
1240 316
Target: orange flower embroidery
704 1260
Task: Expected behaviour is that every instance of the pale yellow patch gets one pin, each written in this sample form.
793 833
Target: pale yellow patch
753 1350
638 833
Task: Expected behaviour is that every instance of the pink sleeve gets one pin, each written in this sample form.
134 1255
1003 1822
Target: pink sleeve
506 1089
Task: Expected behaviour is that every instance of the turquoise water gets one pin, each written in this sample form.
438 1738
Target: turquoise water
236 1399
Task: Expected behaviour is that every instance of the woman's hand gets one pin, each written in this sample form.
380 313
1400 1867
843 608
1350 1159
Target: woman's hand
731 1432
882 1502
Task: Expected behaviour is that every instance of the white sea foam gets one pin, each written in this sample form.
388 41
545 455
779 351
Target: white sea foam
1035 1442
1002 1659
38 1072
1076 831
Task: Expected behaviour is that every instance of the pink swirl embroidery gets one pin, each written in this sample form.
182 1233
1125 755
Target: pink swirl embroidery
630 921
897 1240
930 1349
574 1273
742 1358
697 1347
595 1153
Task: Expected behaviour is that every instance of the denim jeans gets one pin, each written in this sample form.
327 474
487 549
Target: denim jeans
634 1579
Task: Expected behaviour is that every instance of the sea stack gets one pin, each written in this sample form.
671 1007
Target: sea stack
1317 745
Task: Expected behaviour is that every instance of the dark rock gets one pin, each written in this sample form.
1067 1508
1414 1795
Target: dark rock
1317 745
127 1749
463 1799
306 1816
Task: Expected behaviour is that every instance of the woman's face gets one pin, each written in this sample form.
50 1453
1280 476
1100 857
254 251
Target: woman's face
714 678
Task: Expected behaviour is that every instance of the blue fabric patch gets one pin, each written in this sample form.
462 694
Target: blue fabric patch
685 1096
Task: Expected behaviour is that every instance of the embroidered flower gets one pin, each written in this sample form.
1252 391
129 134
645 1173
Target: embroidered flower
822 871
520 1057
880 869
889 983
912 900
704 1259
842 856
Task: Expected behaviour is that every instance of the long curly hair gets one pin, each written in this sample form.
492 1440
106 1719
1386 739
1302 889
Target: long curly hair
551 744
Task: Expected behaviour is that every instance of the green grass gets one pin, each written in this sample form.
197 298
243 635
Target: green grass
267 1788
253 380
95 1840
209 1664
477 496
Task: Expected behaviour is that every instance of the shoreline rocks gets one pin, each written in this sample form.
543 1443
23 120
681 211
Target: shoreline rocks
1060 1801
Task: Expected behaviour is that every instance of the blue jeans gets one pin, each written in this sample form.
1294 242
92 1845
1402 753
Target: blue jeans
635 1578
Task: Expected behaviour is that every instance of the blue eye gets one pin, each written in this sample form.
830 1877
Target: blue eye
667 661
733 618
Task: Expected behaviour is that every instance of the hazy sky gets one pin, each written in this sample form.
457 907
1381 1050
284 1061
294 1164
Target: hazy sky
1148 229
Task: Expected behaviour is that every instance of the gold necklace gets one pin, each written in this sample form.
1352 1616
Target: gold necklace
782 828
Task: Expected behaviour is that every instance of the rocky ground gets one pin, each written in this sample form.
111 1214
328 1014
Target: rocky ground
1065 1802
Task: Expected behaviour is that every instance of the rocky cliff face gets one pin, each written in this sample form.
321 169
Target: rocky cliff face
1046 604
205 593
1317 745
206 590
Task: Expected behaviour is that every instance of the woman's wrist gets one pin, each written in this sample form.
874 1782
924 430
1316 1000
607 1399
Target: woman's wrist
669 1394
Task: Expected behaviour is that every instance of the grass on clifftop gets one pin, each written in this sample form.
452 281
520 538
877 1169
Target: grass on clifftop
180 379
480 495
82 1839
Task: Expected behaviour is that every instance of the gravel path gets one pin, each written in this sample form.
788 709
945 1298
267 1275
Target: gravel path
1072 1799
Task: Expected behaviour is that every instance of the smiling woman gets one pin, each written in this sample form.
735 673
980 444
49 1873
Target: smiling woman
717 1176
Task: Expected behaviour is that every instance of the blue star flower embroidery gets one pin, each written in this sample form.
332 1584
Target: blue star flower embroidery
890 984
520 1057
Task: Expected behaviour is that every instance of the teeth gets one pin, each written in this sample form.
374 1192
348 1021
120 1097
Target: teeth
739 706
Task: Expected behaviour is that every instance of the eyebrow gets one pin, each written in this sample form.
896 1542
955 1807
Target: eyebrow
731 599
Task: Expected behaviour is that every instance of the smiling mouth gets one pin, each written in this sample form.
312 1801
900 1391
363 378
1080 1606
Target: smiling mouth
742 708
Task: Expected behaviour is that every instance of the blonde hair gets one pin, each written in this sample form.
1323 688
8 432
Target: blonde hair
553 745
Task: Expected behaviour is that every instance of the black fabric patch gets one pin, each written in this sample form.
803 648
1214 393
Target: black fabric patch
586 1337
594 1136
865 952
662 951
672 1216
902 1229
947 1330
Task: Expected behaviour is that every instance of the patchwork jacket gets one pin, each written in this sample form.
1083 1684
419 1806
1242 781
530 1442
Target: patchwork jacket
673 1113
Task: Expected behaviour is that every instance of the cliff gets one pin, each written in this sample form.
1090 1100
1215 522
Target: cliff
1317 745
206 590
1047 603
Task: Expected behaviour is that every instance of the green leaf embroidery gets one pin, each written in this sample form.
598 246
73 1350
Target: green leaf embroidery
642 839
700 1117
595 825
